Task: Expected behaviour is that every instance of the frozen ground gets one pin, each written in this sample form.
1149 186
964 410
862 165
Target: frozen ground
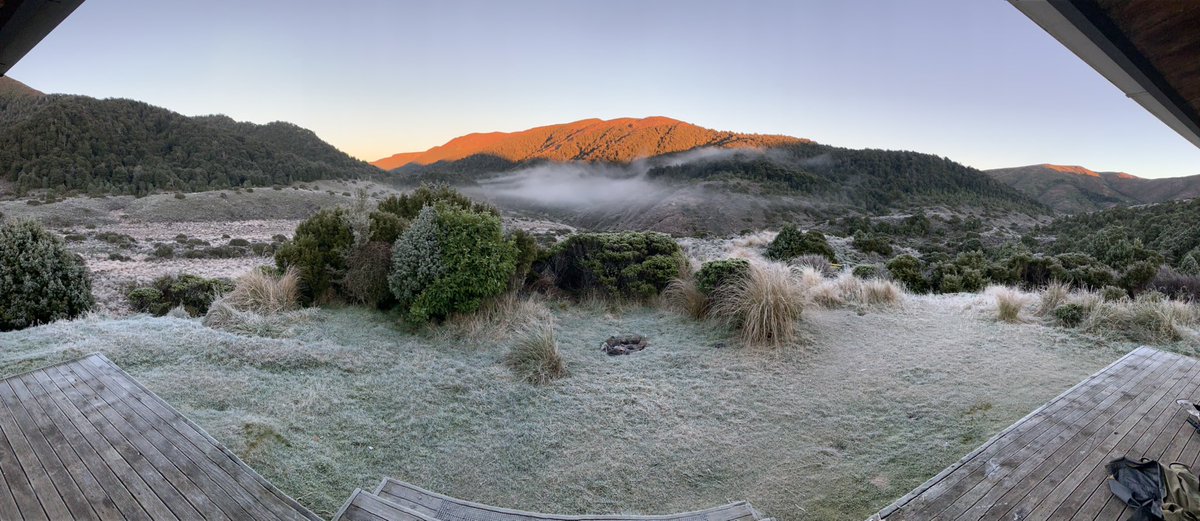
874 404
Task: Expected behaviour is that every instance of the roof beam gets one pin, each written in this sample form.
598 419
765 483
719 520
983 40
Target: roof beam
1073 23
23 23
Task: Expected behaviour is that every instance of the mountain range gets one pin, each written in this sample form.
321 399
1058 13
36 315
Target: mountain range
619 140
1076 189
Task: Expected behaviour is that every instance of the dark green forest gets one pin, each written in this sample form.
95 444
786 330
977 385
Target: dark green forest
875 180
77 144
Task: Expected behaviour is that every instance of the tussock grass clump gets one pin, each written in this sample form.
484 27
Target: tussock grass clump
1053 296
498 318
535 357
880 292
1009 303
1140 320
282 324
266 293
684 295
763 306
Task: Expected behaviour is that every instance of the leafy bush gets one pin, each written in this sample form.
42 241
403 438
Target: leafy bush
528 252
366 279
449 261
386 227
535 357
1176 285
40 280
717 273
906 270
193 292
866 271
408 206
318 251
1111 293
792 243
628 264
1138 276
1070 315
163 251
1190 264
872 244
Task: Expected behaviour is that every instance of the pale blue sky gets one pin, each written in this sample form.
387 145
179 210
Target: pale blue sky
973 80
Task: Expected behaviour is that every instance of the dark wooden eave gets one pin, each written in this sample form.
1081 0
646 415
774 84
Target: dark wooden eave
23 23
1150 49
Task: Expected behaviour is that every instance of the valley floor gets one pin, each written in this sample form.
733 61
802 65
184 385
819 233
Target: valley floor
875 403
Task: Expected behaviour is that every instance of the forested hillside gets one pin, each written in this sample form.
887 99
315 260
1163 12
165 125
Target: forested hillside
1171 229
77 144
1074 189
874 180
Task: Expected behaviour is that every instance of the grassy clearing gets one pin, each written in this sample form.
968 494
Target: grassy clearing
877 404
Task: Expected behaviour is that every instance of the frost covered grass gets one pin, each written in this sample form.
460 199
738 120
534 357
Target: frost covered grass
878 403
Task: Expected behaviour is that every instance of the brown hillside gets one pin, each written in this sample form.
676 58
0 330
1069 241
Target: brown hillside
1075 189
617 140
11 87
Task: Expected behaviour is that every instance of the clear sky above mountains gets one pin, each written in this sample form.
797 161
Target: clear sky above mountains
972 80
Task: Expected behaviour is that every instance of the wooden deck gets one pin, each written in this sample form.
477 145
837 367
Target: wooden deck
1050 464
83 440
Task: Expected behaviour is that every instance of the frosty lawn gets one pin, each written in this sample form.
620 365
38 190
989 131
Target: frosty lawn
875 405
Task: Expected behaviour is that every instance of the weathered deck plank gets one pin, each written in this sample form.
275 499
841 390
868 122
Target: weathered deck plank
1050 464
83 440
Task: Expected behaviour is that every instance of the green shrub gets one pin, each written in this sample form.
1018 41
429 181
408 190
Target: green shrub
366 279
407 206
866 271
906 270
1111 293
241 243
163 251
416 259
718 273
468 260
318 251
1070 315
528 251
872 244
386 227
193 292
636 265
1190 263
40 280
1138 275
792 243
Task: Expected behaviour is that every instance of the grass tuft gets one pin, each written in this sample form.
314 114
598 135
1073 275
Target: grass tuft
1055 295
1009 303
764 306
265 293
685 296
535 357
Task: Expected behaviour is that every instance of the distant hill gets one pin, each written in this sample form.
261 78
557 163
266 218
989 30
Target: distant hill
1075 189
10 87
617 140
79 144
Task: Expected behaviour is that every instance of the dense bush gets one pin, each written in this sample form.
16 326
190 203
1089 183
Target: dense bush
318 250
866 271
867 243
1138 276
193 292
449 261
408 206
528 252
1176 285
792 243
386 227
718 273
627 264
906 270
1070 315
40 281
366 279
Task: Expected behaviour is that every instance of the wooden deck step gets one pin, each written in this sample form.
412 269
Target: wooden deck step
446 508
365 506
